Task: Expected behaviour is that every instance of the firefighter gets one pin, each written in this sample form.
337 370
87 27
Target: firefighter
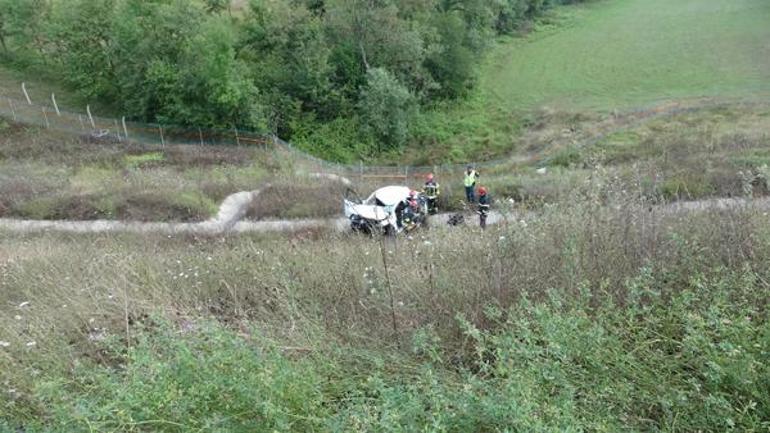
406 209
469 181
431 191
484 202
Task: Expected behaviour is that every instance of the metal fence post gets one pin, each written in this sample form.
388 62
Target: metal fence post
90 117
26 95
55 105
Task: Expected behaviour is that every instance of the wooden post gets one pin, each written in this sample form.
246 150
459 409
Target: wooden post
200 134
55 105
237 138
125 130
117 130
90 117
162 140
13 110
45 116
26 95
82 125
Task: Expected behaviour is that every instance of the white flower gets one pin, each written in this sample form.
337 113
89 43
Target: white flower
91 320
17 317
427 242
23 304
31 344
4 344
502 238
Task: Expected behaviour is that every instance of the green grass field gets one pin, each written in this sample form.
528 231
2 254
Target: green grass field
628 53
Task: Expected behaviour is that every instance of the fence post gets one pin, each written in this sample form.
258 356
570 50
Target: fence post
162 140
125 130
13 110
200 134
237 138
90 117
117 130
82 125
26 95
45 116
55 105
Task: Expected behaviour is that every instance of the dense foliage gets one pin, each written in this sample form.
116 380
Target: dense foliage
344 75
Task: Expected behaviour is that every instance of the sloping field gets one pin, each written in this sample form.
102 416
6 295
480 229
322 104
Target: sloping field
628 53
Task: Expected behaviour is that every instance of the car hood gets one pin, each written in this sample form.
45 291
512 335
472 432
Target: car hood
391 195
367 211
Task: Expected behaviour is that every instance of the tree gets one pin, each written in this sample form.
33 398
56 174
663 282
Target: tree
216 6
20 20
386 108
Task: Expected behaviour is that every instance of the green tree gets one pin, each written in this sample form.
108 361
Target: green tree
386 108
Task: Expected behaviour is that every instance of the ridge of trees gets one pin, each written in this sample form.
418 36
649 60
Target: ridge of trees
349 75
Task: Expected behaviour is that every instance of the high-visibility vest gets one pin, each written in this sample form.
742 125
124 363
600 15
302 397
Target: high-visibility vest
470 178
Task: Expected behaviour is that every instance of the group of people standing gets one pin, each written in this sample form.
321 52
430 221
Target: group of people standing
470 177
431 191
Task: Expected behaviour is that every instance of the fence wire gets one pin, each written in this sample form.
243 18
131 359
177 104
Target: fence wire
111 130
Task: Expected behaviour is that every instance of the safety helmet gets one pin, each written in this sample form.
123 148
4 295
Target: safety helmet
430 176
482 190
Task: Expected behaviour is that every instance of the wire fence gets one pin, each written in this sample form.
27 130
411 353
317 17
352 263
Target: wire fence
114 130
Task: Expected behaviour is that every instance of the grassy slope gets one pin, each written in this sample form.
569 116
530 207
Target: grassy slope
628 53
588 318
595 58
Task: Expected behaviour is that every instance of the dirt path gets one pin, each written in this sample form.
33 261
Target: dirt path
233 209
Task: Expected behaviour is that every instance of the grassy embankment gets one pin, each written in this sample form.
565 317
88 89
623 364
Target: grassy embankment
592 59
587 318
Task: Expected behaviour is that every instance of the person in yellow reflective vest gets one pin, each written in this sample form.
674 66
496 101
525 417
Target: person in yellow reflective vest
469 181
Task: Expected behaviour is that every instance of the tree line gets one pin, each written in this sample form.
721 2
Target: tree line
347 75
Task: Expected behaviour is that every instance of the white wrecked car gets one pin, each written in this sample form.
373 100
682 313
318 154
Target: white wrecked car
379 211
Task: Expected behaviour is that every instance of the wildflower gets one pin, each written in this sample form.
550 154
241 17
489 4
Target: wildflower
427 242
23 304
32 344
502 238
17 317
4 344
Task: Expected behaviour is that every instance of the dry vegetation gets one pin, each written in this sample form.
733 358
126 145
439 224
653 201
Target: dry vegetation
601 315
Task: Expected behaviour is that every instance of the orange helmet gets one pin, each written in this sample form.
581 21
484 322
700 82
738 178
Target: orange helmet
482 190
